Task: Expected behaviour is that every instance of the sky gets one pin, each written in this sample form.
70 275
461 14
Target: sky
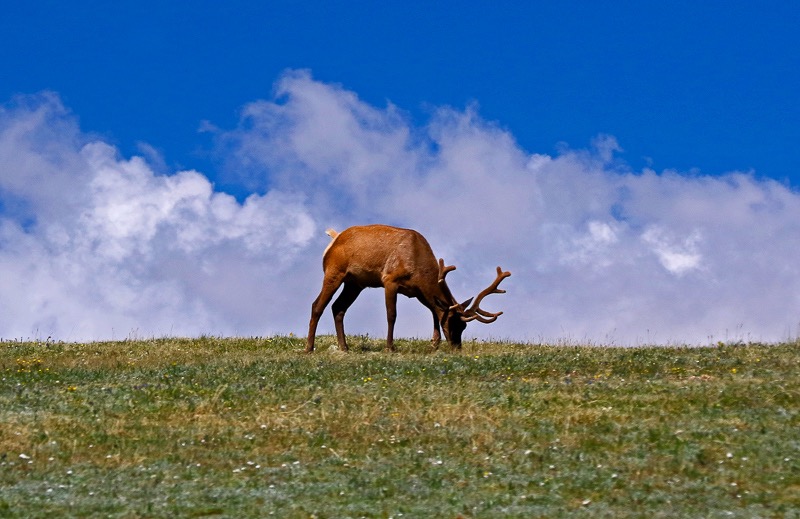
169 169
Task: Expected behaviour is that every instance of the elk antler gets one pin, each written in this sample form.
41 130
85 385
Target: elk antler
475 312
443 270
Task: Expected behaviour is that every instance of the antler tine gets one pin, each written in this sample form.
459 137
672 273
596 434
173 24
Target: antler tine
475 312
443 270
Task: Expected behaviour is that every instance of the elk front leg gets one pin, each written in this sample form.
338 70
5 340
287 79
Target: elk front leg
391 315
437 335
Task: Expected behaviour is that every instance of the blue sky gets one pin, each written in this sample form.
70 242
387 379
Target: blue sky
707 85
170 168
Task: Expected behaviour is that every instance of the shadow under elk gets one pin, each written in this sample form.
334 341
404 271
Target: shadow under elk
402 262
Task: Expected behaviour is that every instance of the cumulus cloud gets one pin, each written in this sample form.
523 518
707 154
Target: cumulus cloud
96 244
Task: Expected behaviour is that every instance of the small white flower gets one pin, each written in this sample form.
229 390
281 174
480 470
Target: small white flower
24 457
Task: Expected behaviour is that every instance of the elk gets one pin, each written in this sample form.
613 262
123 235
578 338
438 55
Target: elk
402 262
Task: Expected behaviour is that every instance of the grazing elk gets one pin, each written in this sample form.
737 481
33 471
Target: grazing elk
402 262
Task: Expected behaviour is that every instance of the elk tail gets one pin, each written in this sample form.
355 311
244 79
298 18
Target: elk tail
333 234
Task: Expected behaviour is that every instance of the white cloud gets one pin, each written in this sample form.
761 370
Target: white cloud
100 246
96 244
678 257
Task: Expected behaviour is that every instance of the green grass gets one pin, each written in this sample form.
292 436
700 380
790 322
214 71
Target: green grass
253 428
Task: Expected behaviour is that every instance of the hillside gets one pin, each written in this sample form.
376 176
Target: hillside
253 427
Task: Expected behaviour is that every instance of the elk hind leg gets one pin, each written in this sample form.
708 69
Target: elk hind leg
329 288
346 298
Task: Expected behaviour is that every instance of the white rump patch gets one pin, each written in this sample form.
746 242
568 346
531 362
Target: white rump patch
333 234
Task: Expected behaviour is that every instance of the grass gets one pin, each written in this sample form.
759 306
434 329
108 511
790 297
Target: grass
253 427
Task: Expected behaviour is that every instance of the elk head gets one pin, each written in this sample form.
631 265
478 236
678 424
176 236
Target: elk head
455 316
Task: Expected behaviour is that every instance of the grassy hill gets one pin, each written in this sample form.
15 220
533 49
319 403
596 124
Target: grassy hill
253 428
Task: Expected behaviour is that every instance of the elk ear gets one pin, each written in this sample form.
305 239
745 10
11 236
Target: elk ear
466 303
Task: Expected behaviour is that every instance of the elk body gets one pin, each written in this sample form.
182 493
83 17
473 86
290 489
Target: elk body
402 262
